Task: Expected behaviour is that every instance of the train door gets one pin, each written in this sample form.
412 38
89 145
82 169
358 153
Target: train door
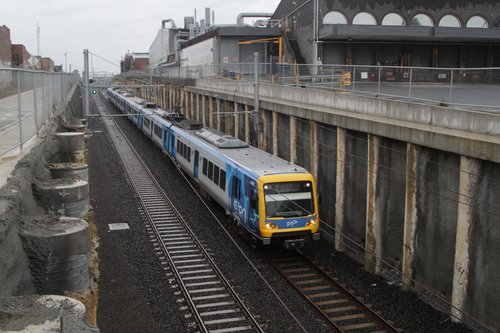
141 121
172 142
196 163
237 206
166 137
253 204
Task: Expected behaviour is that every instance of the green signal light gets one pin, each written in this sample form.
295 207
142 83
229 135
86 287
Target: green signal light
94 91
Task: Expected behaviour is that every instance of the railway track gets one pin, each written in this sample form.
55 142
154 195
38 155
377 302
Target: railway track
214 304
344 311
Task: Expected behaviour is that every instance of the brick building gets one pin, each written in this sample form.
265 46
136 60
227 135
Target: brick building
141 63
20 56
47 64
5 57
5 47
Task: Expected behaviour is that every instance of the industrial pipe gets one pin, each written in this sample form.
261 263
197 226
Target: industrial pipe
167 20
239 19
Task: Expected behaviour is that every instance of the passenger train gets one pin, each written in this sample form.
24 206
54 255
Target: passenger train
273 199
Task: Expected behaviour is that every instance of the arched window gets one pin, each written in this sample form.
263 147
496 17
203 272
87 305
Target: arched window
334 18
393 19
496 22
477 22
364 19
421 20
449 21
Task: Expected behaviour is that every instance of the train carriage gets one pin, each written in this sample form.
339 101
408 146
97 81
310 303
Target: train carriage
271 198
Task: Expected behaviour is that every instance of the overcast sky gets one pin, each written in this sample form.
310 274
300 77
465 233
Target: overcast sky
107 28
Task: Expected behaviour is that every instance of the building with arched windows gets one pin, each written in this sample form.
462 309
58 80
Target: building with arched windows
424 33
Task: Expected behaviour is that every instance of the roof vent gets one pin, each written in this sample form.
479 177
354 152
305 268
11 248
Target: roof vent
220 139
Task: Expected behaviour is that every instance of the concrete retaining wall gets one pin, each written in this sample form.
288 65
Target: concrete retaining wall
404 188
17 199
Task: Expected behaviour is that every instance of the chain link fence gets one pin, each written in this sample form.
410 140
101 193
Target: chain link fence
27 99
470 88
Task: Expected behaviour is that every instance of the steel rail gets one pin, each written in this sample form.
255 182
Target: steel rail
181 247
328 296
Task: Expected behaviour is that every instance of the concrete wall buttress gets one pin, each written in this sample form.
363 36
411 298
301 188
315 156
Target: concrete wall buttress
204 110
262 130
210 112
469 178
410 214
275 133
217 118
293 139
340 193
247 123
236 120
314 148
373 246
227 117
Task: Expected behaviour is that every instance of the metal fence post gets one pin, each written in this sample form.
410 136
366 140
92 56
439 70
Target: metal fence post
35 110
19 114
451 87
62 88
378 89
411 79
353 78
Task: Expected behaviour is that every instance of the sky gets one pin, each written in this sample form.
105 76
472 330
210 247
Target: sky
109 28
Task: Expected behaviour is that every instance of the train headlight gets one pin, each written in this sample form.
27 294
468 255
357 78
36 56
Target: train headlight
312 222
270 225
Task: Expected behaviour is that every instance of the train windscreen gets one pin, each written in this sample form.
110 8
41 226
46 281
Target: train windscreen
288 199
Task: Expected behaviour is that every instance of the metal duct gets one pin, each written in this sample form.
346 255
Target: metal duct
167 20
241 16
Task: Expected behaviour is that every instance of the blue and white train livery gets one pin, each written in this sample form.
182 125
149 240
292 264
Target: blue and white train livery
271 198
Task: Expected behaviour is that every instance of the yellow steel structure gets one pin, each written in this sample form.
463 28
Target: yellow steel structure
274 40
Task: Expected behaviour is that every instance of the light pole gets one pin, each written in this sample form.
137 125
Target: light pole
66 62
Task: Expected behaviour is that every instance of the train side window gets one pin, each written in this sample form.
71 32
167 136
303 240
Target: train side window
157 131
222 183
178 146
210 170
216 174
205 166
236 187
189 154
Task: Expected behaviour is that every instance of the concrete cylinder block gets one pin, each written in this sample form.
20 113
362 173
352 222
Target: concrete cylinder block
60 254
69 170
75 127
73 143
69 197
47 313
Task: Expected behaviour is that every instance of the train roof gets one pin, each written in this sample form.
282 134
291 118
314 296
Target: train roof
258 161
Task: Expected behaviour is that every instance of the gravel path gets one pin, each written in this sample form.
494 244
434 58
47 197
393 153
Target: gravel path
136 294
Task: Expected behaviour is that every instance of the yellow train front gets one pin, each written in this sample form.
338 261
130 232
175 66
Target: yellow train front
273 199
290 208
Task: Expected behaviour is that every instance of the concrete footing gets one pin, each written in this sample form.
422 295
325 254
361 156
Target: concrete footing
46 313
60 253
74 145
69 197
69 170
